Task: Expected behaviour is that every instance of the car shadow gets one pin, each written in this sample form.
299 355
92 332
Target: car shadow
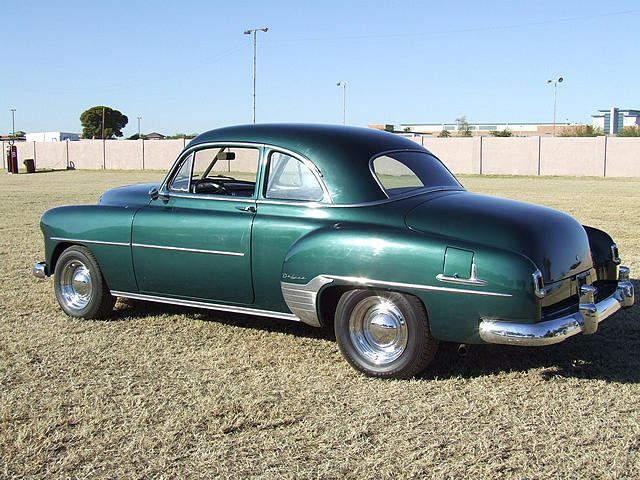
611 354
128 308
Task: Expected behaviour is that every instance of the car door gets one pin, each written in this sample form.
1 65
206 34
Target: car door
194 240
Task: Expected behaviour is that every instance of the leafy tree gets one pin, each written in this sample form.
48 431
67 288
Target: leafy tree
136 137
444 133
633 131
181 135
501 133
114 122
581 131
463 126
405 129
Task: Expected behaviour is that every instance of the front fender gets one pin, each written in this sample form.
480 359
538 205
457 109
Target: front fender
105 230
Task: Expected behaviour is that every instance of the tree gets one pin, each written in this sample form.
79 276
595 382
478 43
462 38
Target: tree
581 131
114 122
633 131
444 133
501 133
135 136
463 126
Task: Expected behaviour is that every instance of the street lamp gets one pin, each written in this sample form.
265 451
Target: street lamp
13 122
254 31
344 100
139 118
555 87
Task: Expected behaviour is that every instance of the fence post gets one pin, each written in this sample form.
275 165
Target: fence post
539 137
142 140
604 171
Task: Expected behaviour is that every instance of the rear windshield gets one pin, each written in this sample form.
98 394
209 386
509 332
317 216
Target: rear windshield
402 172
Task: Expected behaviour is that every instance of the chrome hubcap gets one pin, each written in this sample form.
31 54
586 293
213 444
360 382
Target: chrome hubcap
75 285
378 330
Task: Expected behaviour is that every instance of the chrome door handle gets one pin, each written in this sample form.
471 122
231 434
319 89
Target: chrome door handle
250 208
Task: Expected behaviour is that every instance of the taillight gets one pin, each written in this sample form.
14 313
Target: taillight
538 284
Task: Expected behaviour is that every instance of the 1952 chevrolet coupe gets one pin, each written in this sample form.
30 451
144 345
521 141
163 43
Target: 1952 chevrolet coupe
356 227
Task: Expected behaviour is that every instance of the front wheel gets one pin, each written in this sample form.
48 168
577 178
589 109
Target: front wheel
79 285
384 334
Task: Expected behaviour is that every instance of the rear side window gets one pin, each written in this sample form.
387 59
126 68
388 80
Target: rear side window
401 172
290 179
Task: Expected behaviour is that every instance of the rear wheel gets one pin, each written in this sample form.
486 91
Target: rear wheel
79 285
384 334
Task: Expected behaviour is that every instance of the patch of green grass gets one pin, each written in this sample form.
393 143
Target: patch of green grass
164 392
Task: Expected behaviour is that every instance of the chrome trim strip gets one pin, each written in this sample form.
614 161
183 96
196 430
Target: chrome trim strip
194 250
411 286
96 242
209 306
472 280
585 321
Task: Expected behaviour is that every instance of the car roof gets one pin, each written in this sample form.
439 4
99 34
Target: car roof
342 154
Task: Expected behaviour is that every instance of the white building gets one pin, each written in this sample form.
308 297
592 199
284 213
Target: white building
51 136
485 128
615 119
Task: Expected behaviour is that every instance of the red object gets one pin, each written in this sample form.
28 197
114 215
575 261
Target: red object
12 159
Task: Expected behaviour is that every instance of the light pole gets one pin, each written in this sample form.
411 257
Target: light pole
555 88
139 118
13 122
249 32
344 100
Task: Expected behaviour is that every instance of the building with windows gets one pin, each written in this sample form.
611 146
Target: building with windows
52 136
615 119
484 128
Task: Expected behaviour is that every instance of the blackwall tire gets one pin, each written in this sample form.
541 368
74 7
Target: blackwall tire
384 334
79 285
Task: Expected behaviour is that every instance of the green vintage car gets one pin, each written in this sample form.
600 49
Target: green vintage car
354 227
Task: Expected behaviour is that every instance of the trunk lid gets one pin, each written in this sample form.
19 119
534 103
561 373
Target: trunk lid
553 240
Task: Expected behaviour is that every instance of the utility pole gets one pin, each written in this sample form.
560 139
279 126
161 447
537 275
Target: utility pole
102 123
139 118
13 122
254 31
344 100
555 87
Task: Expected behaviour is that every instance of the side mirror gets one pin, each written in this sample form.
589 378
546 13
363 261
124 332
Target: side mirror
154 193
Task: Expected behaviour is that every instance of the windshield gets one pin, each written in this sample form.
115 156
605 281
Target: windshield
401 172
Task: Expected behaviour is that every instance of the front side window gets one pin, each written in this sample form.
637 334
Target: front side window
220 170
288 178
180 182
402 172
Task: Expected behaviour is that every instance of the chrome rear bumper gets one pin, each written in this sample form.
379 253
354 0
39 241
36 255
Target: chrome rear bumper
554 331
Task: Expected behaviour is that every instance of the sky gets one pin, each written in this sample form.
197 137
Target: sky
187 67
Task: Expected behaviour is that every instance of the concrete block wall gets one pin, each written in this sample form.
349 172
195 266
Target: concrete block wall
573 156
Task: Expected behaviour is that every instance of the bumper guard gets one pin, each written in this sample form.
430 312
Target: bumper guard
586 320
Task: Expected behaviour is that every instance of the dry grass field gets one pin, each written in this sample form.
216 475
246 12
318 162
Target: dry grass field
164 392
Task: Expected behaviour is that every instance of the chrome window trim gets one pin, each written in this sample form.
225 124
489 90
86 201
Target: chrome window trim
210 306
209 196
164 187
363 204
193 250
315 171
419 189
93 242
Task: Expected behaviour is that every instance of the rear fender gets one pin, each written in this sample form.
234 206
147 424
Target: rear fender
407 262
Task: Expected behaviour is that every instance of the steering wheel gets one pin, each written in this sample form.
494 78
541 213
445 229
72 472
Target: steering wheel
209 186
